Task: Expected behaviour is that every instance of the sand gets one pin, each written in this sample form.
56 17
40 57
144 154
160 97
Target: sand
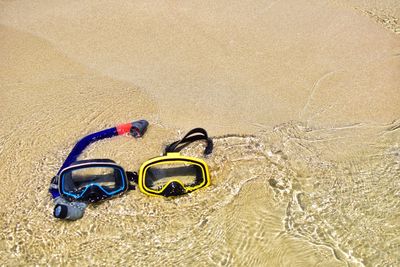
70 68
232 65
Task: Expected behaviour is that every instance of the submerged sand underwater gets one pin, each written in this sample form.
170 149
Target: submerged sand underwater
300 96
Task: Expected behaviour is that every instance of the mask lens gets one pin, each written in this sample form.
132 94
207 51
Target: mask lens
108 178
157 176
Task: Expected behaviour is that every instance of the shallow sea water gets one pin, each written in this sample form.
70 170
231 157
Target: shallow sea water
290 196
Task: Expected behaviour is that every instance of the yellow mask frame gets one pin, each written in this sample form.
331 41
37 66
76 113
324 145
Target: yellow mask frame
175 187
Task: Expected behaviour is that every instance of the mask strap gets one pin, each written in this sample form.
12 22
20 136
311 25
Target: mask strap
132 177
192 136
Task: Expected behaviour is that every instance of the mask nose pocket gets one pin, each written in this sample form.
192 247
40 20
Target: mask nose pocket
94 193
174 189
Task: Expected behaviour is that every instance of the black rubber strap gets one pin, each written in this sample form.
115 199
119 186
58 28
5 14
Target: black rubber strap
132 176
192 136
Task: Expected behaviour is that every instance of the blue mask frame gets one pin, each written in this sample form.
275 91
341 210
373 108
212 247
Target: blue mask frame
100 191
136 129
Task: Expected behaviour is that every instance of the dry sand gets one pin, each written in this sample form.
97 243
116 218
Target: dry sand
226 66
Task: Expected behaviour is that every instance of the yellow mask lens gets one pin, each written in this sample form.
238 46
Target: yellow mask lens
173 174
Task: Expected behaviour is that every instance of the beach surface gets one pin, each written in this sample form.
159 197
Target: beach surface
262 73
227 66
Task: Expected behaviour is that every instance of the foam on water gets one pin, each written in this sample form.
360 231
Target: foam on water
289 196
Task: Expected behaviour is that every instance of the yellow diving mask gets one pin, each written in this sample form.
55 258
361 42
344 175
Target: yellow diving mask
174 174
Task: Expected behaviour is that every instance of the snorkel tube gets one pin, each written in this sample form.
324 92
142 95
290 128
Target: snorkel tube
74 210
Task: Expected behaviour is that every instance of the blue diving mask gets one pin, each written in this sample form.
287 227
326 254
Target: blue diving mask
95 179
92 180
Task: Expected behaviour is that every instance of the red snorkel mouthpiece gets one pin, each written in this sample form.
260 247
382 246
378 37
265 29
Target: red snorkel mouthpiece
136 128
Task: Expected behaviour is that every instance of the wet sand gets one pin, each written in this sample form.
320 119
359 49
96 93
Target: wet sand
68 69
